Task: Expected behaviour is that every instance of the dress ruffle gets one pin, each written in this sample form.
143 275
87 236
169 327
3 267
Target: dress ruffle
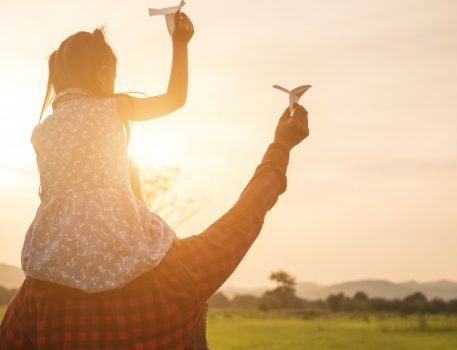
87 251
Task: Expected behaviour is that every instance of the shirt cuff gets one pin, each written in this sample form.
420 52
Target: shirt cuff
282 153
276 159
277 156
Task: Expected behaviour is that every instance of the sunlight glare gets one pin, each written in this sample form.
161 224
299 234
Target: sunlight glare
152 149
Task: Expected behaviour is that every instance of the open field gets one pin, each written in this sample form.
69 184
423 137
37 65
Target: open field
229 330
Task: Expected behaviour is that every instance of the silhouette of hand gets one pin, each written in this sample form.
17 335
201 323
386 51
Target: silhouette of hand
184 29
292 129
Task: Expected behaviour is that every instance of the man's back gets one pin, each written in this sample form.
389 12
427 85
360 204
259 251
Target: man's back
159 309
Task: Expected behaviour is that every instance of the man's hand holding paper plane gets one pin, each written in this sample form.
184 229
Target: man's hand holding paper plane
294 95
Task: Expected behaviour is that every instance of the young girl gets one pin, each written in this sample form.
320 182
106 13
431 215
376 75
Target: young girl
90 231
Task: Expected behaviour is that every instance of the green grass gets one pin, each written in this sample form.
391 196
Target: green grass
227 331
230 330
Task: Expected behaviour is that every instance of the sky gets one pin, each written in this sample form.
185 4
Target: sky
372 193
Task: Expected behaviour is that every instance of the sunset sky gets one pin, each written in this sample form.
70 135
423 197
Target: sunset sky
372 193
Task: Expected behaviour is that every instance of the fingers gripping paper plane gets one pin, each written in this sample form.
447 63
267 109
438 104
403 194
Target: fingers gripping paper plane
294 95
169 13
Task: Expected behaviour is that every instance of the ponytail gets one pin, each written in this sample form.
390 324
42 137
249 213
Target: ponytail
98 35
50 86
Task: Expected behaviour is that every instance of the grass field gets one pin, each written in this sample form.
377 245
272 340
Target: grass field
229 330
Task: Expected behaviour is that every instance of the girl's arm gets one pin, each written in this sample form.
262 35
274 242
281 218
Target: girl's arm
133 108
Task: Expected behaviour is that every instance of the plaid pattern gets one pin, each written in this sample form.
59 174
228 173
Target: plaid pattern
157 310
197 339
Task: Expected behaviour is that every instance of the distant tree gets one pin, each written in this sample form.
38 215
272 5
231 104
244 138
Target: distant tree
416 302
283 279
283 296
313 308
381 304
335 302
360 296
359 302
219 300
452 306
418 298
156 187
437 306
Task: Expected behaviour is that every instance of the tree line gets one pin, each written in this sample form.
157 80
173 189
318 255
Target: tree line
284 297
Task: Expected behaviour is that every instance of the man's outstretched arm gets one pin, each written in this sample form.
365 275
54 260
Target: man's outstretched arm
212 256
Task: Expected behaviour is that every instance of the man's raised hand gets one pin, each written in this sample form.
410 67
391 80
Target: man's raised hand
292 129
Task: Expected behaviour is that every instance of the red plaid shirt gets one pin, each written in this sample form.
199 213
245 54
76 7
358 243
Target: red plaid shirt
157 310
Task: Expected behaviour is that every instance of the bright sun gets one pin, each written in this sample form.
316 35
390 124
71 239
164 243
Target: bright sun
150 147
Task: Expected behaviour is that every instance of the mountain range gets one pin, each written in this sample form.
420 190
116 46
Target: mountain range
12 277
446 290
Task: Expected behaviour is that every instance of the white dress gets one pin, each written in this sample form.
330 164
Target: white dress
90 231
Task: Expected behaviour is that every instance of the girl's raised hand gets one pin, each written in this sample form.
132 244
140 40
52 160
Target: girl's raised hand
184 29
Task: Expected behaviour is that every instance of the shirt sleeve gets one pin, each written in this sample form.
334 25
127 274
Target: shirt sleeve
212 256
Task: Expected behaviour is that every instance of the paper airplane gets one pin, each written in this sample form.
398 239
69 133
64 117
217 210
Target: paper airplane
169 13
294 95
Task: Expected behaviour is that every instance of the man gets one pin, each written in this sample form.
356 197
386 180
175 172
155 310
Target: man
159 309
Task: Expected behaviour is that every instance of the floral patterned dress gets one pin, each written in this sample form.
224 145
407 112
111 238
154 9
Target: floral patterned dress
90 231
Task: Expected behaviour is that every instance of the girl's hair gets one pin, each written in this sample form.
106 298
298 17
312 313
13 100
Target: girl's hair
76 63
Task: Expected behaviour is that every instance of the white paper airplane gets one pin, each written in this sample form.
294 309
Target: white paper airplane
294 95
169 13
